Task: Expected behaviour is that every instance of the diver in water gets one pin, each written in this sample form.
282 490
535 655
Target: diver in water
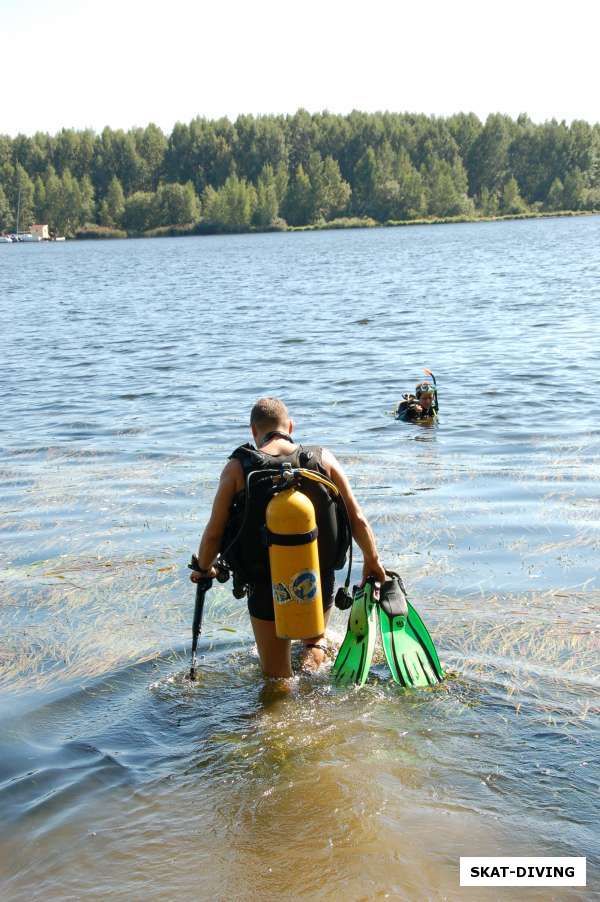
239 506
423 405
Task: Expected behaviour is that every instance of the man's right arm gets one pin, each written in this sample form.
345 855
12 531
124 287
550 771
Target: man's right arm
361 530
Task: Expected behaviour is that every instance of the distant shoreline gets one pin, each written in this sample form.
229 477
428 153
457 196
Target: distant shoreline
205 229
391 223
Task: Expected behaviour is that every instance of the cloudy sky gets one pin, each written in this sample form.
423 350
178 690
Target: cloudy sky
78 63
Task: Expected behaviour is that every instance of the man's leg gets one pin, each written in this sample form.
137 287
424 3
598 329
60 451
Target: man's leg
274 653
315 650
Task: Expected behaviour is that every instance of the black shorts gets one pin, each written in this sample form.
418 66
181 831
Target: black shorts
260 597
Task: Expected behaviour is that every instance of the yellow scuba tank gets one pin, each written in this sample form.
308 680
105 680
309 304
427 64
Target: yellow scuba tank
294 560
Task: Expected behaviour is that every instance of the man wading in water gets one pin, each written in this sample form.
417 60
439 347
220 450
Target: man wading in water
272 430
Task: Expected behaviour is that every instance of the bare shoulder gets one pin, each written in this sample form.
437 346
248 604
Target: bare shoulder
334 469
232 475
330 462
336 473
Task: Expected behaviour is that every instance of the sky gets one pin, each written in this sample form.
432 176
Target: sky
124 63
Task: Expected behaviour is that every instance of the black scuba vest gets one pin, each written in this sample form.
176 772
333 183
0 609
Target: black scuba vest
244 544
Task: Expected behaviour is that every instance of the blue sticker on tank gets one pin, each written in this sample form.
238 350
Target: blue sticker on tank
304 586
281 593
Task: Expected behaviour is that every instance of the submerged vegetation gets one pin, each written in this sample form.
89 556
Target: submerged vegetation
274 172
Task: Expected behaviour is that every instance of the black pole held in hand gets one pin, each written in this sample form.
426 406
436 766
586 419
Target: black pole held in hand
202 588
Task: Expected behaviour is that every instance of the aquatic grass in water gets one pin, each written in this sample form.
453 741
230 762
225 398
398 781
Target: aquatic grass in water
88 616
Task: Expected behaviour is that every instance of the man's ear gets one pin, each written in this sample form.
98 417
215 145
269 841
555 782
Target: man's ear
253 431
291 427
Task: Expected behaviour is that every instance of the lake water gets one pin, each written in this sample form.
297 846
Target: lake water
128 371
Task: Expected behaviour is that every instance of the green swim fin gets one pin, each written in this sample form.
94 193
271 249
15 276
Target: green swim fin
409 649
356 651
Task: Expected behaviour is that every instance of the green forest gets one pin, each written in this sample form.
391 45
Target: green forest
275 172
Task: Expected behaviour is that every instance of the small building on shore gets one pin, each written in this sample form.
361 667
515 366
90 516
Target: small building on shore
40 232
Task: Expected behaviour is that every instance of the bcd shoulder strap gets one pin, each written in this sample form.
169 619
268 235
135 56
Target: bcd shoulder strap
308 456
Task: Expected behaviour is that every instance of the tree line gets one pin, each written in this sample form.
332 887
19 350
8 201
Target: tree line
272 171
